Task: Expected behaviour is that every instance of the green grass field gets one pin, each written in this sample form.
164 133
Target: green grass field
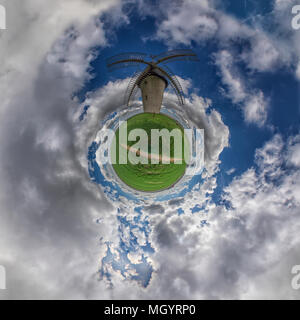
150 177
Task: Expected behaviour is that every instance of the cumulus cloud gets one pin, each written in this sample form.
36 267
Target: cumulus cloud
48 205
247 246
253 103
49 238
200 26
242 248
117 265
265 49
262 55
205 20
45 168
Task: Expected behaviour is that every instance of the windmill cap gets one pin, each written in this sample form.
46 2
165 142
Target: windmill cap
154 73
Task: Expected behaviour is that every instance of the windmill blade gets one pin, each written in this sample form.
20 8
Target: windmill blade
131 91
126 56
122 64
174 83
124 60
177 55
179 58
131 88
133 84
174 52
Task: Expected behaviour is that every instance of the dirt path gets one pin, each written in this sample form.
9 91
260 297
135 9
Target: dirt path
155 156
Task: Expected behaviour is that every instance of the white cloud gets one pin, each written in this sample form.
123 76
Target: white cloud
202 20
263 55
216 133
255 108
253 103
293 156
48 205
189 22
236 87
201 112
230 171
247 249
265 50
46 168
298 71
49 241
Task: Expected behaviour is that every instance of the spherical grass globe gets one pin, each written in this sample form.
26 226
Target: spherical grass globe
153 162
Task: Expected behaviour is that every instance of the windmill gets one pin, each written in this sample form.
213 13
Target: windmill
154 79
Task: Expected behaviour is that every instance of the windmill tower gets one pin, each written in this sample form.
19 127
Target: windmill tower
154 79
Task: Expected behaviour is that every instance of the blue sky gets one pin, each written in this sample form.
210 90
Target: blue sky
232 232
280 86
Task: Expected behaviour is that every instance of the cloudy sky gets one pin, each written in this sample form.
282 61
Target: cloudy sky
67 232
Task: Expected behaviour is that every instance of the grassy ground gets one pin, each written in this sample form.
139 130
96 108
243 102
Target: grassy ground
150 177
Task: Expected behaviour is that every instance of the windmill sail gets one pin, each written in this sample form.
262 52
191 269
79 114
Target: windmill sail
135 59
176 55
175 84
126 56
132 87
125 60
124 64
